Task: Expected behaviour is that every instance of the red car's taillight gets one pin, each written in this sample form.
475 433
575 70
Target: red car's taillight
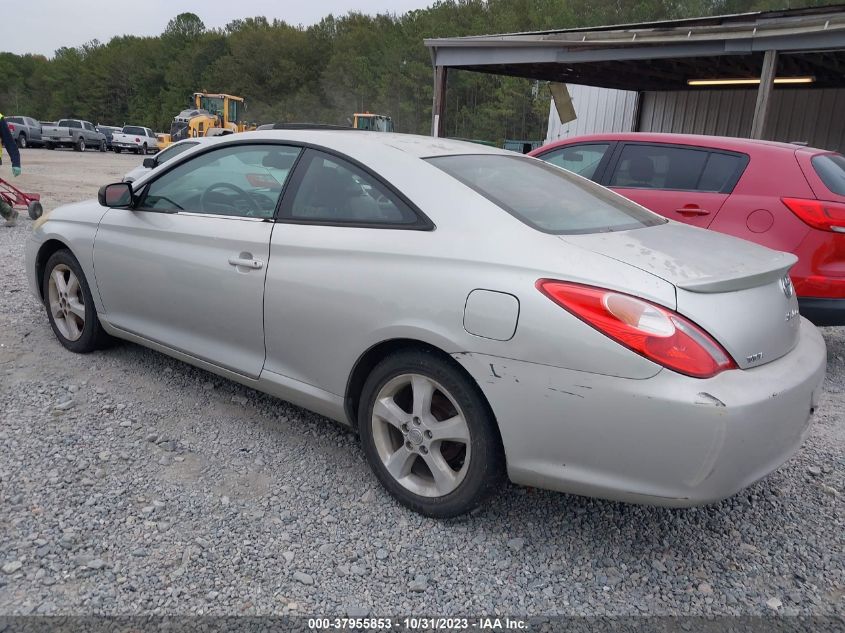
657 333
820 214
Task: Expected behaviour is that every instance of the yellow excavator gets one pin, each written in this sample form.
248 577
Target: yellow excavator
211 115
372 122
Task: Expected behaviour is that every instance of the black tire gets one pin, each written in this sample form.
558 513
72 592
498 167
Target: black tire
144 150
117 150
102 146
93 336
21 142
49 146
35 210
486 468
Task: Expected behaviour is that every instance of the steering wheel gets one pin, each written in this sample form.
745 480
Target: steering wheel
227 185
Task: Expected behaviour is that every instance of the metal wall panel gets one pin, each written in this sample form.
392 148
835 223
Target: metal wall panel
814 116
598 110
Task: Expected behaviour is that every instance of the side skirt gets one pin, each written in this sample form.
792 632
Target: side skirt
294 391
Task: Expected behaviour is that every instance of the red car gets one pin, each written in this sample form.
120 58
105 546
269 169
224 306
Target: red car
784 196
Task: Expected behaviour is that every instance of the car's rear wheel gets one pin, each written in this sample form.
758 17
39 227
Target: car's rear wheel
429 435
102 146
117 150
49 146
80 144
22 141
70 307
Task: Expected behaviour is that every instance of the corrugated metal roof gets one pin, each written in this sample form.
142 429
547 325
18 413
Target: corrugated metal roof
743 25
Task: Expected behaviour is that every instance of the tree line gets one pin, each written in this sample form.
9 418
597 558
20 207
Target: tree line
324 72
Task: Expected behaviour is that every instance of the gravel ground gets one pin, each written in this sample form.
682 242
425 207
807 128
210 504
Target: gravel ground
133 483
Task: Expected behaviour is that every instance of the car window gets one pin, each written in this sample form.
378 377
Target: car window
334 190
658 167
579 159
129 129
831 170
546 198
235 180
174 150
721 172
14 119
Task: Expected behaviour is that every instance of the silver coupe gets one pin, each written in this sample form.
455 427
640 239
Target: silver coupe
472 313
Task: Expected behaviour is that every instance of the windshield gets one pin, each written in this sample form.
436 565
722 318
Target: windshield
546 198
375 123
212 104
129 129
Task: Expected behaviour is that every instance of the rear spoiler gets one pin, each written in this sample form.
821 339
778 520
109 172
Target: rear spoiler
739 279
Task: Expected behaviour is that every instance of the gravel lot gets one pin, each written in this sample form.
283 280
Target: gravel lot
133 483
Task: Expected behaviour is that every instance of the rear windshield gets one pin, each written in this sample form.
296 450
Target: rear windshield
547 198
14 119
69 123
134 130
831 169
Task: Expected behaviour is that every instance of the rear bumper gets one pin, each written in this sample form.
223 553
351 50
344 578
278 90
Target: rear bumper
823 311
125 145
667 440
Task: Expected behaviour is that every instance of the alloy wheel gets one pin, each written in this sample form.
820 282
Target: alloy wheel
421 435
67 302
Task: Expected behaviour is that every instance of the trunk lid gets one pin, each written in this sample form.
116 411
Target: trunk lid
736 290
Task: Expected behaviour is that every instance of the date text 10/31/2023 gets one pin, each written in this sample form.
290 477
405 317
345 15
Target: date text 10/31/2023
417 623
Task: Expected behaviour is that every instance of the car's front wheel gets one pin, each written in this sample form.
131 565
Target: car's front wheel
70 307
429 435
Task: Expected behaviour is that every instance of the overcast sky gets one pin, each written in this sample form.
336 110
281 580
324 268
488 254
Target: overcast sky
42 26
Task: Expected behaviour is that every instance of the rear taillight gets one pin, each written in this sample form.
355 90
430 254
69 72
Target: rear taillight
11 127
661 335
820 214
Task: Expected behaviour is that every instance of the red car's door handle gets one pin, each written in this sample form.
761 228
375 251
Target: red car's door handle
691 210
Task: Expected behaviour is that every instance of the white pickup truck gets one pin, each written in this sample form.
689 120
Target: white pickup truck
136 139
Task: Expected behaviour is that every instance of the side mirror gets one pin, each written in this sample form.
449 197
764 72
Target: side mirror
117 195
150 163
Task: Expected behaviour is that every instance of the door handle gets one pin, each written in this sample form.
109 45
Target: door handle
246 263
692 210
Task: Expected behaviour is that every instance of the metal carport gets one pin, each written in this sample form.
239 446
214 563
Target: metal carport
766 48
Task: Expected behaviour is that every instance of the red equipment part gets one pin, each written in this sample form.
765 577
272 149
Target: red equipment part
17 198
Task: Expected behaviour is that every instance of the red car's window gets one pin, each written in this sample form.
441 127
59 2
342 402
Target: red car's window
831 170
579 159
642 166
658 167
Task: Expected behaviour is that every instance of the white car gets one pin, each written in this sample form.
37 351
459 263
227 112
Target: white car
133 138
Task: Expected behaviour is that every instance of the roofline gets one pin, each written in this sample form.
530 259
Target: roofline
681 138
760 24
